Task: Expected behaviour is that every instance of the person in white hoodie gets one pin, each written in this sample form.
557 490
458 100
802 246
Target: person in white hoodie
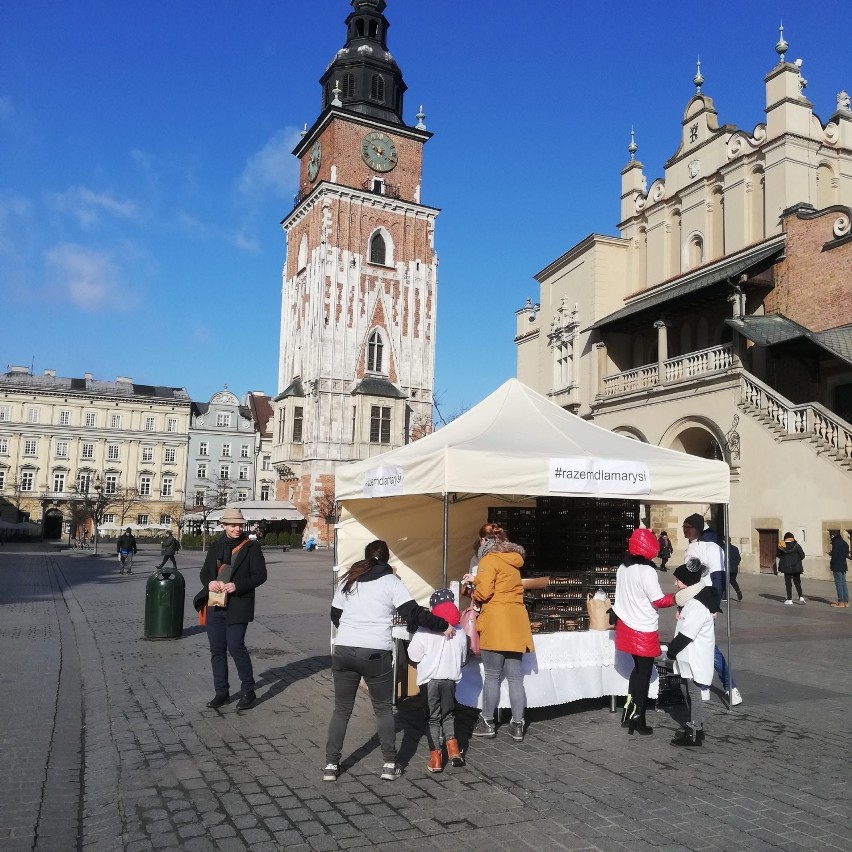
439 663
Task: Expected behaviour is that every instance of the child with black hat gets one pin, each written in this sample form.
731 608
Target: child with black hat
439 663
693 645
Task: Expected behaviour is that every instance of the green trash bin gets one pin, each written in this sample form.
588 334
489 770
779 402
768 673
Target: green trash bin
164 597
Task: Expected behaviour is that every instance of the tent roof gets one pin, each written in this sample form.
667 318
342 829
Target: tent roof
505 444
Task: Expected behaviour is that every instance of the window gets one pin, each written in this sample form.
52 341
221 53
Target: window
87 451
226 451
84 481
199 498
30 447
223 418
2 479
377 88
380 423
5 413
225 471
282 419
297 424
169 455
110 483
267 463
144 486
62 449
167 489
374 353
142 520
147 454
33 415
109 518
165 520
4 447
348 86
203 448
244 471
115 421
150 424
58 482
91 418
264 492
64 418
171 426
378 250
113 452
201 471
244 451
27 480
242 496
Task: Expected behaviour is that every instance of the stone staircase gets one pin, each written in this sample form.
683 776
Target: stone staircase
829 435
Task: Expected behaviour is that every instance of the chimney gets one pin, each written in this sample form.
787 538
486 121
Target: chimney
87 376
50 373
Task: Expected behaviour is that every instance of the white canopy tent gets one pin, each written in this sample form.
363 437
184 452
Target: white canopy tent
513 446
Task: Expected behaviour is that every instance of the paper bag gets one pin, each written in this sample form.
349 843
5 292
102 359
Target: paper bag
598 613
217 599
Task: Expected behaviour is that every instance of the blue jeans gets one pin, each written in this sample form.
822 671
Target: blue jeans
840 585
721 666
348 666
717 578
225 639
496 664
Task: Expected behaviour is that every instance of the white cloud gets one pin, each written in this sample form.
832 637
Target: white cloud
89 279
273 168
88 206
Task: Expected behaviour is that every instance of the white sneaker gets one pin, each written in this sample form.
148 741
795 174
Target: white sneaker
802 601
788 603
705 694
735 697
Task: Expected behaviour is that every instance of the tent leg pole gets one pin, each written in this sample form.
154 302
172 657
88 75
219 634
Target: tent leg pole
444 555
729 687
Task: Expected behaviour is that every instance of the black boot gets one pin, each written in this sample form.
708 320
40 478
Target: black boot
637 723
688 738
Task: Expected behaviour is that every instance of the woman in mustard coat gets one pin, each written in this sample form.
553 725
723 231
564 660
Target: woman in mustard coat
504 627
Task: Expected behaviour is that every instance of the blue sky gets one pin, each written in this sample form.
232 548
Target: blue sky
145 160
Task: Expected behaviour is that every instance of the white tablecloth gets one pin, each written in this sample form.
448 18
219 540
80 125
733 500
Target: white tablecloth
565 667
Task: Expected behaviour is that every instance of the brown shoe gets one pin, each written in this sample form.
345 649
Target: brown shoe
436 761
838 605
454 754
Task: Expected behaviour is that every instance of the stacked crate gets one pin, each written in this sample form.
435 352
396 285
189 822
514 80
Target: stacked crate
579 543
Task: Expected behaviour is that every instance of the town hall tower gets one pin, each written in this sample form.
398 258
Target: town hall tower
357 348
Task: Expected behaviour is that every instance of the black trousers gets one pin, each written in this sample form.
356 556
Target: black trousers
227 639
789 581
640 681
166 559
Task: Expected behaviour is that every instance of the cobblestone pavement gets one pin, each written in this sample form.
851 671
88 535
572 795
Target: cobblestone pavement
107 743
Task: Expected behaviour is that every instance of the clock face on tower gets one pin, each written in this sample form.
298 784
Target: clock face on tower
378 151
314 160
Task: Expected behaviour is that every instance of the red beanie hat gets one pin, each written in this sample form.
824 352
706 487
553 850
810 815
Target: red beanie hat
643 543
448 611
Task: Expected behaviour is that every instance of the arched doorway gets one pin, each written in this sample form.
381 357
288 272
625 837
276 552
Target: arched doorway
52 525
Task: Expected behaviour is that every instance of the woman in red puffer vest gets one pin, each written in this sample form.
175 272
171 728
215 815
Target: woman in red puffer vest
637 598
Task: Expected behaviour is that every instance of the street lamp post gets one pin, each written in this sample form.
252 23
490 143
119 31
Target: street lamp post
99 507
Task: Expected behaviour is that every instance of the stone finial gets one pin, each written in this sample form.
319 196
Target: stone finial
781 47
304 131
420 116
698 79
843 100
632 147
336 102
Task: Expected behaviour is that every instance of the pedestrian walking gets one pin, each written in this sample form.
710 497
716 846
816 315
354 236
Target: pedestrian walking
439 664
837 563
734 559
234 566
168 548
693 645
638 596
791 565
366 600
504 627
666 550
125 547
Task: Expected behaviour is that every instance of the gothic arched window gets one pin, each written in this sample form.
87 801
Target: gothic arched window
378 249
374 353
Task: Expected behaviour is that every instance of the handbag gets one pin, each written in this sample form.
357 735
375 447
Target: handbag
468 624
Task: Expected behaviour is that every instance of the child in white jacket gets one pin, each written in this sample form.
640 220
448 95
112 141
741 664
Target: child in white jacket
439 663
693 645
